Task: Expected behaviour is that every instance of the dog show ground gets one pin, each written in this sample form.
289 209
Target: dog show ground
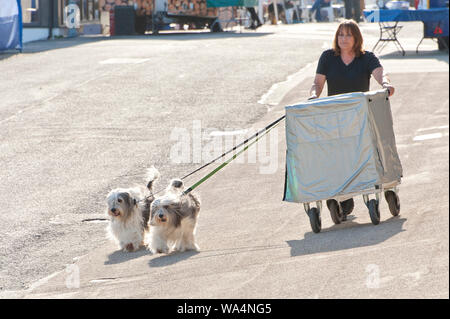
83 116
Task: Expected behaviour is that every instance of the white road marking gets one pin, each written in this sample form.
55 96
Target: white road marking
278 90
427 137
432 128
123 61
95 281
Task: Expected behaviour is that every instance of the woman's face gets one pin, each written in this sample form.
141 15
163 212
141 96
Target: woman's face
346 41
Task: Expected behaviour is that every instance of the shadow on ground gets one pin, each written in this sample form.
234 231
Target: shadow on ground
345 236
354 235
170 259
120 256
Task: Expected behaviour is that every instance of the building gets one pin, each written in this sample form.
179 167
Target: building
43 19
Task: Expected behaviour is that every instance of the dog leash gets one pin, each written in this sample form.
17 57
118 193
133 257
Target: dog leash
257 135
234 148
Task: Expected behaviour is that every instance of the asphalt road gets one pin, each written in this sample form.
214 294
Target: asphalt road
81 116
76 123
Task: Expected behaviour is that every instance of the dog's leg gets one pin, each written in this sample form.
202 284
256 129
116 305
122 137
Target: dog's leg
177 238
133 241
189 242
123 246
188 237
178 246
162 249
159 247
157 243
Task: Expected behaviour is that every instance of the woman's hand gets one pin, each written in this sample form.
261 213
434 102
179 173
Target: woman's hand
389 87
383 79
317 87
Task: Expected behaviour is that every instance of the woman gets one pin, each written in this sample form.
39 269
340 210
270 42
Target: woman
256 23
353 9
318 4
346 68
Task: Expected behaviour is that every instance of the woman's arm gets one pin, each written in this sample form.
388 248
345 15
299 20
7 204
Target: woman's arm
383 79
317 87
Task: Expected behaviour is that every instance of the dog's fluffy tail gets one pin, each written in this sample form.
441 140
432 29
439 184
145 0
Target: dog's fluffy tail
151 176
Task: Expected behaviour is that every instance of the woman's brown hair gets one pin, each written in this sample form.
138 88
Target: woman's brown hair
353 28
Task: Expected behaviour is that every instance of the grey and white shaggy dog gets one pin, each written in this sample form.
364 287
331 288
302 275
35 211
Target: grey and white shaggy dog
173 220
129 211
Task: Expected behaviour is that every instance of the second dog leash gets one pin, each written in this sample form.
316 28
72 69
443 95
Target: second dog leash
268 127
257 135
190 189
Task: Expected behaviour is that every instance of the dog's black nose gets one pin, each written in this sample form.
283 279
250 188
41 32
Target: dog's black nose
161 216
113 210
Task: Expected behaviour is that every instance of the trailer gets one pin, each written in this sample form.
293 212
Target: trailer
157 15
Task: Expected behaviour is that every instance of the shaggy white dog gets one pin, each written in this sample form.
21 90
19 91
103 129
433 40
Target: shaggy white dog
173 220
129 211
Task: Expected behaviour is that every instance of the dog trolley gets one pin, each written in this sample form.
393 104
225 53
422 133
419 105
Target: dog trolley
339 147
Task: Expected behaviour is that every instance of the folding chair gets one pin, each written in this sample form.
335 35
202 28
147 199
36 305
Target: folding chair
388 33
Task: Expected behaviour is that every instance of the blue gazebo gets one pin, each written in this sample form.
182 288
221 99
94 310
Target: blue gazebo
10 25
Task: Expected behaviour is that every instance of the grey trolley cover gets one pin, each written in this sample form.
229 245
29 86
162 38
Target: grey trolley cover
340 146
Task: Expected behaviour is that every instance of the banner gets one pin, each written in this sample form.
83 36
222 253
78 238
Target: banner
10 25
231 3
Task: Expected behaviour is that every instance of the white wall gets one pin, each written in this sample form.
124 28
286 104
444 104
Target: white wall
34 34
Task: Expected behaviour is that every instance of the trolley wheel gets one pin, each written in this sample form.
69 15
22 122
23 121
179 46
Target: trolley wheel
314 219
374 211
393 202
347 206
335 212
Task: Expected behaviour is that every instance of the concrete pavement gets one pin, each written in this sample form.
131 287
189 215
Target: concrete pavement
253 245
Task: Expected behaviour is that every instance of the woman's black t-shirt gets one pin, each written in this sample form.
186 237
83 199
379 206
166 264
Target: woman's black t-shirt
342 78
